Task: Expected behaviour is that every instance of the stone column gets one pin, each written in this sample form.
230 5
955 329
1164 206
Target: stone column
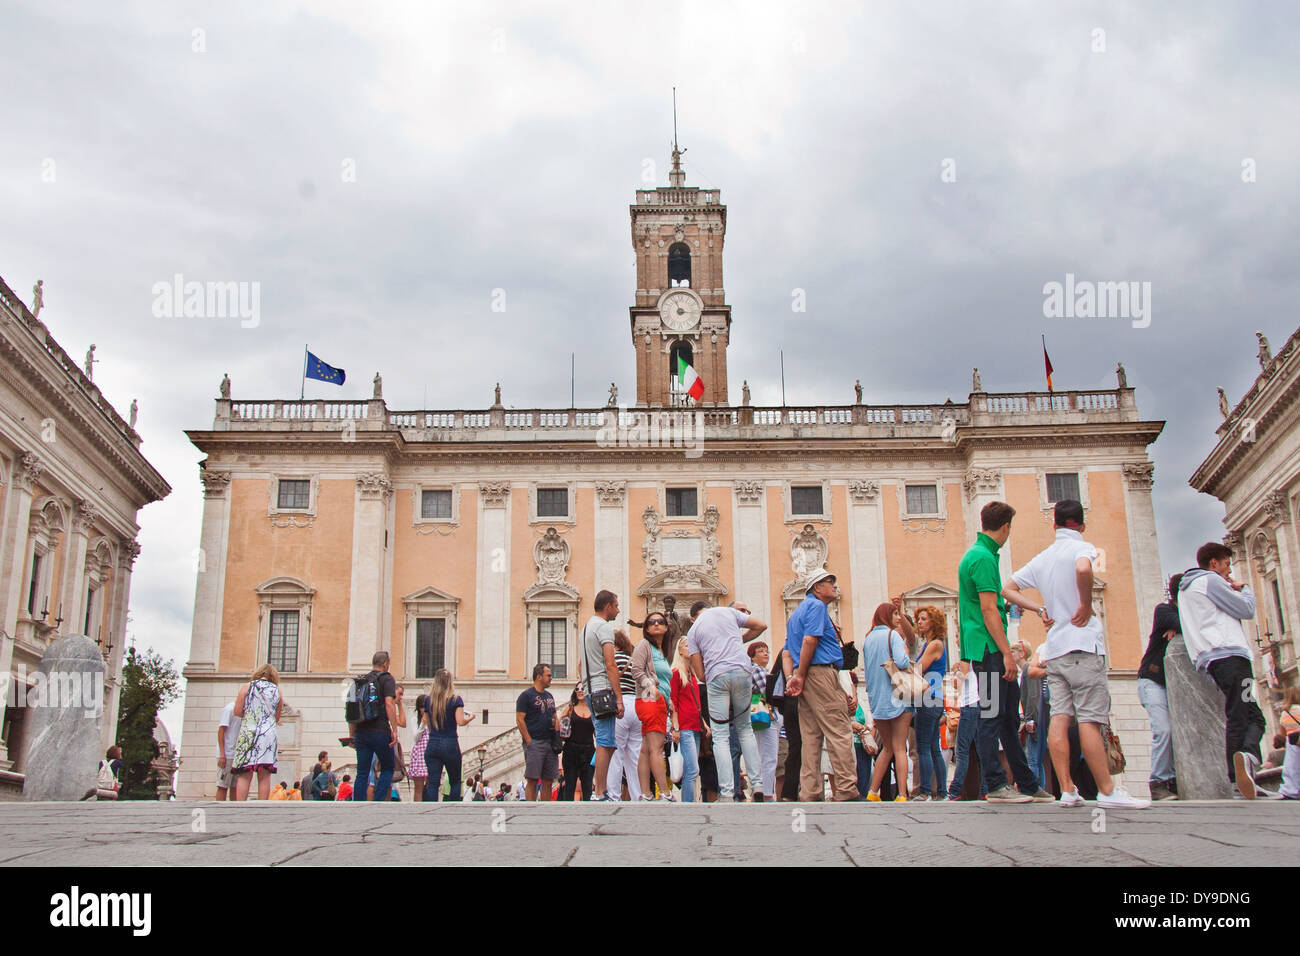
72 595
18 512
749 541
365 606
492 593
982 485
1277 506
210 574
1196 715
610 546
127 553
867 567
1143 548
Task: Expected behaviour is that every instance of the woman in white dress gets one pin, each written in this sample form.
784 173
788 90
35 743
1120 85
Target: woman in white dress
260 705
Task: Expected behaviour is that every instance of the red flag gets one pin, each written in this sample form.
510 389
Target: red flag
1047 363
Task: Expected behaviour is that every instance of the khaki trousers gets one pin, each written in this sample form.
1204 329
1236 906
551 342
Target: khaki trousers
823 713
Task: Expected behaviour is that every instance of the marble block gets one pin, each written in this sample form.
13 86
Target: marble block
65 708
1198 722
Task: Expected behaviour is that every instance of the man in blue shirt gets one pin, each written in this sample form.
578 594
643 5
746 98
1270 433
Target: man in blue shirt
813 643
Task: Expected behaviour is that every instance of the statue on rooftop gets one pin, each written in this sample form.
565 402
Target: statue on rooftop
135 410
1265 352
613 396
379 386
1224 407
975 384
1121 375
744 392
225 385
90 362
497 400
857 390
38 298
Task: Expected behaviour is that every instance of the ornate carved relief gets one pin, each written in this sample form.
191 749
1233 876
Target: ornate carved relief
374 486
292 521
864 492
1139 476
611 493
1278 507
495 494
551 555
749 492
682 550
1263 549
85 517
127 553
981 481
215 483
1233 540
808 551
28 471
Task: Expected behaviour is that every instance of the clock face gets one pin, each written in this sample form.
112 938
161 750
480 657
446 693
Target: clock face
679 311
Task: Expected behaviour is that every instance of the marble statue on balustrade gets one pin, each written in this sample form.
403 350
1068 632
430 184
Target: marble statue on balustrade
1121 376
975 384
90 362
135 410
1265 351
744 392
496 399
225 385
1224 408
379 387
857 390
38 298
613 396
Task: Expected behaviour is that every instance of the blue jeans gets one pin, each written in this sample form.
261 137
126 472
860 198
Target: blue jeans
966 727
1036 752
729 699
442 752
690 746
864 769
1000 722
929 755
375 745
1156 701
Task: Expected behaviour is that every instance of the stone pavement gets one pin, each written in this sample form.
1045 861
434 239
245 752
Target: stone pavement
1209 833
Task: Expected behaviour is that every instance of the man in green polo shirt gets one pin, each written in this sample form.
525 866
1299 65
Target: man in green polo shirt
984 643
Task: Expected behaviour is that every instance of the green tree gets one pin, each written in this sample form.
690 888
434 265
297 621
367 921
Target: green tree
149 683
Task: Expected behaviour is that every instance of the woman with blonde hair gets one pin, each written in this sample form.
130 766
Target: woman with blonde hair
932 664
259 705
444 712
893 720
685 696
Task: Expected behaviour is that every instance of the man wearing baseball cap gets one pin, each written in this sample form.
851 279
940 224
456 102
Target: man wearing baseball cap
814 648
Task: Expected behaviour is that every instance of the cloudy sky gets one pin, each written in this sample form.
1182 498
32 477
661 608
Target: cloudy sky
380 169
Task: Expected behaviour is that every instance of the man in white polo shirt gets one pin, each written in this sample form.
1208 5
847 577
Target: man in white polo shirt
716 644
1075 654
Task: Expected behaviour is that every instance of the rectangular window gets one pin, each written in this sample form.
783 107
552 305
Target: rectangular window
33 591
435 504
295 495
90 611
806 501
283 652
922 499
552 502
551 645
1063 488
430 646
682 502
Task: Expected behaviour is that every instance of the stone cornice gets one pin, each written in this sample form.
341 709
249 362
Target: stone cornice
33 370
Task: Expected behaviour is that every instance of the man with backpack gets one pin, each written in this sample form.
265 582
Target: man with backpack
372 714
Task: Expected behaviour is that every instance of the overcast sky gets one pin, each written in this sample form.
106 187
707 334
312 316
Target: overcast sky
499 147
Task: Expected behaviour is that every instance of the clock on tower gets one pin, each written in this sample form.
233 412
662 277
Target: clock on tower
680 311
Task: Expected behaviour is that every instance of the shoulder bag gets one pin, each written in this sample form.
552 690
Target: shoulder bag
603 703
909 686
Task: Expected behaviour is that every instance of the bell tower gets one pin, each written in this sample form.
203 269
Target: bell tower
680 312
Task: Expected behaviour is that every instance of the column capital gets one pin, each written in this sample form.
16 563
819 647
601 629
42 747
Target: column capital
864 492
981 481
748 492
85 516
1139 475
611 493
494 493
127 553
1278 507
374 487
215 483
29 470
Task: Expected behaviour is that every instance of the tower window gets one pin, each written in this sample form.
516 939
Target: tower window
679 264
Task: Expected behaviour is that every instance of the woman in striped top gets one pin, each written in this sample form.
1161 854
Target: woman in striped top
627 729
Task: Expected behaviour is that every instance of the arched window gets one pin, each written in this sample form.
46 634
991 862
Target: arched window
683 350
679 264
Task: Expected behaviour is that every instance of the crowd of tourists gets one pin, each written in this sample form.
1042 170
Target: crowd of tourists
699 709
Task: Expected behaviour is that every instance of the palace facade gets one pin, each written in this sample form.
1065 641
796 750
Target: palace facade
476 539
72 481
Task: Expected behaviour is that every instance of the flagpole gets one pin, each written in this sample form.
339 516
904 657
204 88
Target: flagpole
302 391
783 378
572 399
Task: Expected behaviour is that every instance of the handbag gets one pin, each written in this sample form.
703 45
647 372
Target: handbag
760 718
676 765
603 703
909 686
851 656
1115 760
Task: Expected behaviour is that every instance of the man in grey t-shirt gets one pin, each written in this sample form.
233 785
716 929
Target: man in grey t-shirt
600 672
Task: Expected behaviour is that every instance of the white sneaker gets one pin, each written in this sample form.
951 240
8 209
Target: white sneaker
1119 799
1071 799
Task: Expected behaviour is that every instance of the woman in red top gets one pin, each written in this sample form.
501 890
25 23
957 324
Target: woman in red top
686 704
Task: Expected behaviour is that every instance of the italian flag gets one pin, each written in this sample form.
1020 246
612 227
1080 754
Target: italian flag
690 379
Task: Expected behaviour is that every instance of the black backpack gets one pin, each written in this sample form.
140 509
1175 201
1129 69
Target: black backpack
363 702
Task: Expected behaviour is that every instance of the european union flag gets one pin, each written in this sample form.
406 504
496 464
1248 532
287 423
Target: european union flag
324 373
